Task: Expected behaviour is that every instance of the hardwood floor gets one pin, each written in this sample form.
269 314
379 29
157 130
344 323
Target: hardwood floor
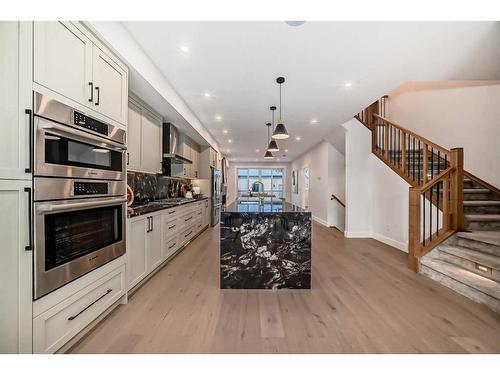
364 300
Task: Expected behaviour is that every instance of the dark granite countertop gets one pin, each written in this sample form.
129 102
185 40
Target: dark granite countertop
274 206
159 205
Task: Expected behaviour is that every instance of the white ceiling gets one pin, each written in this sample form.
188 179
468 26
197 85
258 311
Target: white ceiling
238 62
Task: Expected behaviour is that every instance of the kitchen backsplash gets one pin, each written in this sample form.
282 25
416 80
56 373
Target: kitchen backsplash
148 187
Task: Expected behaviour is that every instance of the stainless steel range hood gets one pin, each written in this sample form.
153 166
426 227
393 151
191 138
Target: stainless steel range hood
171 147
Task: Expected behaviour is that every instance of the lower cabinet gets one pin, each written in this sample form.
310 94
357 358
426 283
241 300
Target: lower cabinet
16 259
64 313
155 237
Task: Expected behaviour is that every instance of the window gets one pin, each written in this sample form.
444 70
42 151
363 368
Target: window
272 178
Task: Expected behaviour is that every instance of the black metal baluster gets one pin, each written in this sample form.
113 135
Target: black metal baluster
419 164
423 216
445 161
407 156
432 163
430 216
413 157
437 210
439 162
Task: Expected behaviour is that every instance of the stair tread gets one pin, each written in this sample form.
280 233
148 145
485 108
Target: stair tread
483 284
481 203
472 255
474 190
483 217
489 237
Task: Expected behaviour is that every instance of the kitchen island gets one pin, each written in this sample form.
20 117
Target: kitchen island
265 246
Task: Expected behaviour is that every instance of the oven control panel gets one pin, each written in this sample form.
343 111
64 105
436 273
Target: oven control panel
90 188
91 124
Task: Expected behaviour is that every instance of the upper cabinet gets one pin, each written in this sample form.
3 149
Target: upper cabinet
92 77
190 150
15 99
208 159
144 139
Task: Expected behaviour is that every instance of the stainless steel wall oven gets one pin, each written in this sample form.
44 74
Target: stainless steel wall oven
79 194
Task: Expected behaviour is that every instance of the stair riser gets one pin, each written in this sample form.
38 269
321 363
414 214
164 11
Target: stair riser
483 225
471 185
460 288
480 246
481 209
468 265
480 196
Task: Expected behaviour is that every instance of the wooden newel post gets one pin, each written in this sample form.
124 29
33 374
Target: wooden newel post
457 190
414 229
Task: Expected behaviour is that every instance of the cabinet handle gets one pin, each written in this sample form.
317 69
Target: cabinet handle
189 218
172 245
97 300
91 84
29 112
173 226
30 226
128 158
98 94
152 223
149 224
188 234
171 212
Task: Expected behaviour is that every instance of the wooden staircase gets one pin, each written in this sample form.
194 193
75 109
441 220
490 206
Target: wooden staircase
454 216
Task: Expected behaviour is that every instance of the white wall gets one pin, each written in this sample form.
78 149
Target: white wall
454 114
376 197
232 182
336 186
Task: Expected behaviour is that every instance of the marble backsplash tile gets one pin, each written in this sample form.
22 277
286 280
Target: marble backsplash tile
148 187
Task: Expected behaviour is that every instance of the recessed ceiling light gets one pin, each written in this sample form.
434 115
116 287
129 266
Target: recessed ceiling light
207 95
348 84
230 140
184 49
257 150
218 118
298 138
225 131
286 150
314 121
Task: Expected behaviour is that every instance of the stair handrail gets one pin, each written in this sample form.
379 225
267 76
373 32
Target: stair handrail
334 197
440 190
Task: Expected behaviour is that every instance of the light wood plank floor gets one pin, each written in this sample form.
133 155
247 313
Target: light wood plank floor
364 300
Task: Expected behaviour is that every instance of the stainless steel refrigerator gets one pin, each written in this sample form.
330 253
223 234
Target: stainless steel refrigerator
216 198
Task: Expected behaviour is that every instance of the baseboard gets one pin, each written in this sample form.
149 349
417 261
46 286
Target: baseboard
321 221
391 242
353 234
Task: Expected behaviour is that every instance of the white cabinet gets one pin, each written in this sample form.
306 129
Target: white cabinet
63 60
153 242
207 160
93 77
136 250
110 85
134 137
206 213
190 150
15 268
15 99
144 247
144 139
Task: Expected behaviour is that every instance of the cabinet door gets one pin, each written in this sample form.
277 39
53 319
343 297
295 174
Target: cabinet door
134 137
16 282
15 98
136 251
154 240
63 60
110 87
151 144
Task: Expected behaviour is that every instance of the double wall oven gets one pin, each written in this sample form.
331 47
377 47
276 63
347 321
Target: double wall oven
79 194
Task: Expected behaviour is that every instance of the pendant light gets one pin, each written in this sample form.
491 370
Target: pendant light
280 131
268 154
273 146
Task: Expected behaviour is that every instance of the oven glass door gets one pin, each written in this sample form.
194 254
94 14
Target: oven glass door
68 152
71 235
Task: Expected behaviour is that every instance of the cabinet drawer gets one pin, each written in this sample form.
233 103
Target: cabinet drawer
187 220
56 326
187 234
171 247
198 225
170 228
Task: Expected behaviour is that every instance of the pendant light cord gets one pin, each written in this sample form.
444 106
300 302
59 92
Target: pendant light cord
280 102
273 118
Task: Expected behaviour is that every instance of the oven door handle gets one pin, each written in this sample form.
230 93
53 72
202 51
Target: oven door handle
81 134
77 206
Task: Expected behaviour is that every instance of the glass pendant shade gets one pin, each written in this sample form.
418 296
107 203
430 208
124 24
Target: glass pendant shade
273 146
280 132
268 155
